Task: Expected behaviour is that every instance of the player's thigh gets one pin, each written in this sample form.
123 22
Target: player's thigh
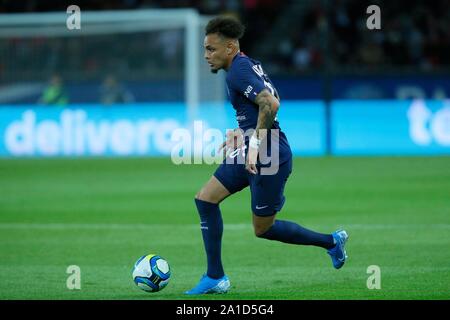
267 191
232 177
213 191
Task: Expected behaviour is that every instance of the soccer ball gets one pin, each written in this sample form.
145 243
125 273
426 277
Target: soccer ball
151 273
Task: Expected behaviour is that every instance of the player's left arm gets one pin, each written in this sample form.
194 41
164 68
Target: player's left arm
268 106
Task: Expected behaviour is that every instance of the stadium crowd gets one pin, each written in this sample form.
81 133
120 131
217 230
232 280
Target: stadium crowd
325 34
414 33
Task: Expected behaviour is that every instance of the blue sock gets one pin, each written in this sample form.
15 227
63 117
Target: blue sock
290 232
211 225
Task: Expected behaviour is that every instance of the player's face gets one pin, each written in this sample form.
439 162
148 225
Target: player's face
215 52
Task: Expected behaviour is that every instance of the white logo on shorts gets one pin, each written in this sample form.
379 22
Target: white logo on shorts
258 207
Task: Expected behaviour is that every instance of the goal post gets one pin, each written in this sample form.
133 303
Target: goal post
118 31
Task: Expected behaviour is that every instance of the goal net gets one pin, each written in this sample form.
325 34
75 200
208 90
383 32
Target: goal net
159 53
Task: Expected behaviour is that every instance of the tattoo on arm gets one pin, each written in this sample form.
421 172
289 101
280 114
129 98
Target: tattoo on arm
267 112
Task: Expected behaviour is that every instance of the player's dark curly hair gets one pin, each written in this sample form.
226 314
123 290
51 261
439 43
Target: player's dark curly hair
228 27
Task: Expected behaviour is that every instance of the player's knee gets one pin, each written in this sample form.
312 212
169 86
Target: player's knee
201 195
205 196
260 230
259 233
262 224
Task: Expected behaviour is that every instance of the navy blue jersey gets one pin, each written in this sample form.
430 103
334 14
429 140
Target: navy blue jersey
245 80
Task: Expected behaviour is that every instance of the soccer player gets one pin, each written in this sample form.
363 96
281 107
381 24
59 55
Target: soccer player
256 102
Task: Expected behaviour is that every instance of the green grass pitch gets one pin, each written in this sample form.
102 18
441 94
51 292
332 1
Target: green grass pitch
102 214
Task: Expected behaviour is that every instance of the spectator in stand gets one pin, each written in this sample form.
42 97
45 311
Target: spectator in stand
112 92
54 93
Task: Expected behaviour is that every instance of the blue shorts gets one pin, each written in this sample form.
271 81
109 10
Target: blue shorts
267 190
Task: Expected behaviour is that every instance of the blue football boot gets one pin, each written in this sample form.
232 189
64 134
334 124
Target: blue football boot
337 253
210 285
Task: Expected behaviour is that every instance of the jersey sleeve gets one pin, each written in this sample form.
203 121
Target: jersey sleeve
245 80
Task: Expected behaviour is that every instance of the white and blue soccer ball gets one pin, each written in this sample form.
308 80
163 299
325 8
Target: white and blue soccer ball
151 273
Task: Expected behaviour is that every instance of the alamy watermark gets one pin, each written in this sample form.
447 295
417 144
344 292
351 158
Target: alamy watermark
198 146
374 280
374 20
73 281
73 21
